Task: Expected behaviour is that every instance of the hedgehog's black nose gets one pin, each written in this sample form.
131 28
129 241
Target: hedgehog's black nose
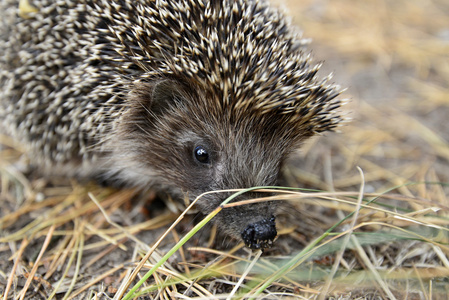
261 234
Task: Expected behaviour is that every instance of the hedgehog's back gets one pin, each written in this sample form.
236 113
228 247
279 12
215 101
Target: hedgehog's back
52 97
69 68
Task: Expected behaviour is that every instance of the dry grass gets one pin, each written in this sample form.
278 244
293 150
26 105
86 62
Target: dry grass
379 233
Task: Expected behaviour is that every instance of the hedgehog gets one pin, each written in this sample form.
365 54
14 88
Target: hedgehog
187 96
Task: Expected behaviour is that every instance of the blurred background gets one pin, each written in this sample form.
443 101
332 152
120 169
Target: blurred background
393 58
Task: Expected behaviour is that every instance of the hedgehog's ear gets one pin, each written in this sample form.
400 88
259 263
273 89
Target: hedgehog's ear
155 97
164 94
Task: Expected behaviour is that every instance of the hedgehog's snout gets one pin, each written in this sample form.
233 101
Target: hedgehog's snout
260 235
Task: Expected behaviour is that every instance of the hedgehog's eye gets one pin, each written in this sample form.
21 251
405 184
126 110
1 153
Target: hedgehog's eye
201 155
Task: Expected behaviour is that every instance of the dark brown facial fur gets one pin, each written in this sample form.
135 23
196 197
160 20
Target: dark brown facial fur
199 151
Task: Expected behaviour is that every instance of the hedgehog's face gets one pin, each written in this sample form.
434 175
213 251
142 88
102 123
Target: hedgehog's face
211 164
196 150
229 163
